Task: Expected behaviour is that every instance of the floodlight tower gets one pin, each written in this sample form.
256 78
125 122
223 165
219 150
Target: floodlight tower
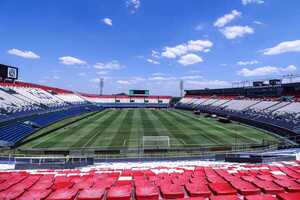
101 85
181 87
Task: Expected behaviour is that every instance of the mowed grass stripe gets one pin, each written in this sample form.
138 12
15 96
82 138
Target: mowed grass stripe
148 126
99 139
193 134
52 140
230 132
121 136
165 127
248 131
172 127
90 131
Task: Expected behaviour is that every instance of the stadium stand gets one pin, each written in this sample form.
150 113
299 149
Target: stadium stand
150 181
25 107
254 105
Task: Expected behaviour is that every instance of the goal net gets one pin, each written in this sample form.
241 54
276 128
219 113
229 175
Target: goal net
156 142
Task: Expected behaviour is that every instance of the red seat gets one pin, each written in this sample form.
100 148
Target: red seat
193 198
35 194
119 193
289 196
63 194
196 190
146 192
11 193
172 191
222 188
84 184
224 197
61 185
91 194
260 197
269 187
289 185
245 188
42 185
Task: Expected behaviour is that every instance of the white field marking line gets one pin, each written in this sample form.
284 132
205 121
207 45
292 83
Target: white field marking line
182 141
95 135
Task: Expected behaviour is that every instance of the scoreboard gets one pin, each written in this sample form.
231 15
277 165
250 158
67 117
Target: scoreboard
8 72
139 92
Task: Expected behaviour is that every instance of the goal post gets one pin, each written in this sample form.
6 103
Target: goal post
156 142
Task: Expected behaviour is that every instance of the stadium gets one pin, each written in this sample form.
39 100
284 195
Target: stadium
233 141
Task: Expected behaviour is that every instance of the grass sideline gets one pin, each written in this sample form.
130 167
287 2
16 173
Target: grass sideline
126 128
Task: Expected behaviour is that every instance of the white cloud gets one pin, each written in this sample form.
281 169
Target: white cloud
245 2
113 65
55 77
107 21
123 82
153 61
161 78
23 54
266 70
81 74
158 74
283 47
258 22
102 72
69 60
207 83
190 46
134 5
250 62
191 77
232 32
131 80
155 54
222 21
199 28
190 59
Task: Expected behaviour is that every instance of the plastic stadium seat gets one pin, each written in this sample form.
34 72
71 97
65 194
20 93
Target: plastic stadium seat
269 187
198 180
172 191
61 185
146 192
11 193
35 194
91 194
289 185
289 196
104 183
119 193
245 188
224 197
215 179
63 194
83 184
196 190
260 197
193 198
222 188
42 184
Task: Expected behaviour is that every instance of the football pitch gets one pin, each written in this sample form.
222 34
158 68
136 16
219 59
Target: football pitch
126 128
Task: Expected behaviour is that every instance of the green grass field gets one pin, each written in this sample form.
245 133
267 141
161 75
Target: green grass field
126 128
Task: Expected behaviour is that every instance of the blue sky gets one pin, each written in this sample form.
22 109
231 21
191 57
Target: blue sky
149 44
